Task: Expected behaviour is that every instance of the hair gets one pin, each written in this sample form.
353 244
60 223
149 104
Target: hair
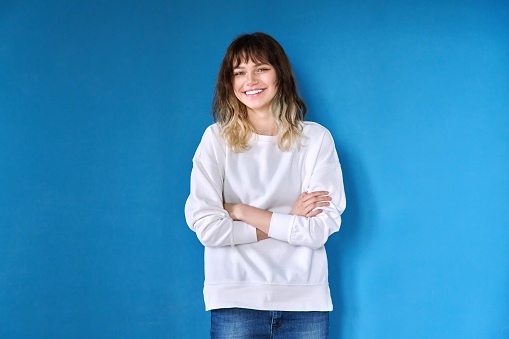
287 106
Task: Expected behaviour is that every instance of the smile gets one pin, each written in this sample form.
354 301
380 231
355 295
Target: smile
254 91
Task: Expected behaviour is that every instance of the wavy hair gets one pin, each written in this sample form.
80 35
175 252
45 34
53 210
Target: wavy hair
287 106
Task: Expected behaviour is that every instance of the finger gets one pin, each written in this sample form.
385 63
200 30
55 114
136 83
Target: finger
313 195
316 200
314 213
313 207
317 193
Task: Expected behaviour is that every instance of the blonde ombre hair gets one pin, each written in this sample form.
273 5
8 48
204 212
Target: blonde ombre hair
287 106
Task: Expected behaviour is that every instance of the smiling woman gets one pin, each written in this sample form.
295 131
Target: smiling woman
255 85
266 193
286 107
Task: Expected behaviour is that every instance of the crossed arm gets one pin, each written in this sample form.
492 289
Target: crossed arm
308 205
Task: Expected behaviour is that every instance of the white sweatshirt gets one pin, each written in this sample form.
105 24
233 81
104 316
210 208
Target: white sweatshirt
288 271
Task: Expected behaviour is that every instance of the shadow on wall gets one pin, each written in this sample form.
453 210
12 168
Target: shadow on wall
346 249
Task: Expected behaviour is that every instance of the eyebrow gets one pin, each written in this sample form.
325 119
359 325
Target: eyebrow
256 65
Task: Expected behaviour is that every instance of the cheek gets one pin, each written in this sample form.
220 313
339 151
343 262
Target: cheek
236 91
274 80
236 86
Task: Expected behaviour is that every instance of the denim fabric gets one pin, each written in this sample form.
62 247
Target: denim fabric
241 323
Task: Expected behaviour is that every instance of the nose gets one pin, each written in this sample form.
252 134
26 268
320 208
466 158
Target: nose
252 79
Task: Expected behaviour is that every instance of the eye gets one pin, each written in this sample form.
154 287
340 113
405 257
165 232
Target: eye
262 69
238 73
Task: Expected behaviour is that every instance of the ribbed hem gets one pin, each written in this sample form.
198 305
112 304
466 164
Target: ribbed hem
281 226
243 233
270 297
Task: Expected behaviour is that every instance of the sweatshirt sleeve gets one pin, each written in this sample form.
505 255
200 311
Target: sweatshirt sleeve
204 210
325 175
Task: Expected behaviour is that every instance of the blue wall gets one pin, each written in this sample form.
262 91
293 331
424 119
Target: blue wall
102 104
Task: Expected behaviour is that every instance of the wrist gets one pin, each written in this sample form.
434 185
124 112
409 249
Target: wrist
237 211
261 235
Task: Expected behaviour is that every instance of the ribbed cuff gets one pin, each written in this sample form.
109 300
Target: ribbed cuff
281 226
243 233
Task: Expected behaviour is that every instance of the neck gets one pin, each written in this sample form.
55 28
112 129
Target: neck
263 122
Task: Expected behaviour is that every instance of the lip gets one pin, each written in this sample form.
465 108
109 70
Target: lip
257 90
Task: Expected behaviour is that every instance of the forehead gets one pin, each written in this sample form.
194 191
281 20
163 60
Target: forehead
250 56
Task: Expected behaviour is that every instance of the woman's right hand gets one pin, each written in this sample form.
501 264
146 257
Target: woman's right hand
308 205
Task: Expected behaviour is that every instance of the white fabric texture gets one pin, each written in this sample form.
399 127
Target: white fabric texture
288 271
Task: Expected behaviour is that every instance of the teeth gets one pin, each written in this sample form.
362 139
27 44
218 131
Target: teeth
254 92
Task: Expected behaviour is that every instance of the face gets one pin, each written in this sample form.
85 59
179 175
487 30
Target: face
254 84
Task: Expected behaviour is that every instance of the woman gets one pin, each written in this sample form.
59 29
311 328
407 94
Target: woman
266 193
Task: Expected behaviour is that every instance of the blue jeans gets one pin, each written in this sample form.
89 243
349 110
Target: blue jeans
230 323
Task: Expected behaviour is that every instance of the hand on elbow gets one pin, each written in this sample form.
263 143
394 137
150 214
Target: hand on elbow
308 205
233 210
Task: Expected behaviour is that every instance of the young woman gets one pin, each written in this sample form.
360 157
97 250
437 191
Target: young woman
266 193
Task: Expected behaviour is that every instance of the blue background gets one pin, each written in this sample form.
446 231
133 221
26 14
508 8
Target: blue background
102 105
